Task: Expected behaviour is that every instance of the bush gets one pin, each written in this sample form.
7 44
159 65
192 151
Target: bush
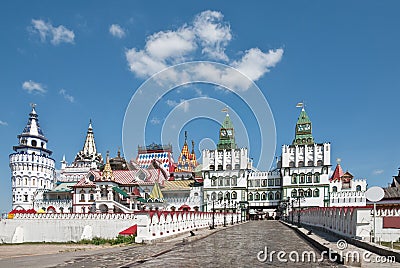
120 239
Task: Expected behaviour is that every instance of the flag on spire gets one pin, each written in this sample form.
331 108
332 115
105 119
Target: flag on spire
300 105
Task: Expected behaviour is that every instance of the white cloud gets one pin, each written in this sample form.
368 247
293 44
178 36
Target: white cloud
155 121
378 171
213 34
209 34
57 35
171 103
33 87
256 63
117 31
3 123
66 96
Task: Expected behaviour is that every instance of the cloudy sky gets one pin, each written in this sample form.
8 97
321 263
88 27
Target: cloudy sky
80 61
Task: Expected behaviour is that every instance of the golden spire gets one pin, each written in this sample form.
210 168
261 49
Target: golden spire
107 171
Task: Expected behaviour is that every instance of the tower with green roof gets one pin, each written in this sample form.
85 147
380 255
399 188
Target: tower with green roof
227 135
303 130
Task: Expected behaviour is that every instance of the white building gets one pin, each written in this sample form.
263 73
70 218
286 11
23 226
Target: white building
32 168
346 191
85 160
305 167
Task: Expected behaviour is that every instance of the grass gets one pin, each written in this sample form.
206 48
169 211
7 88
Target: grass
396 245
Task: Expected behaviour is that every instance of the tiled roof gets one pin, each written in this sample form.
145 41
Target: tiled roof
182 185
392 193
337 174
63 187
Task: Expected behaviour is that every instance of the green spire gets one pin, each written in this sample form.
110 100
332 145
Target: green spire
227 135
303 130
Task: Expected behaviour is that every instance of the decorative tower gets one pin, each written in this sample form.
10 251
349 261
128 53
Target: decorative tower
32 168
227 135
86 159
303 130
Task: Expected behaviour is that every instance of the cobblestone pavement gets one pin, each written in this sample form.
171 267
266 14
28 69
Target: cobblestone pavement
236 246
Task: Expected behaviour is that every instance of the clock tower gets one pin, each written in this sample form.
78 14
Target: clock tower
227 135
303 130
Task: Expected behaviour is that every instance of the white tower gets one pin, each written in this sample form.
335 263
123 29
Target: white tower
32 168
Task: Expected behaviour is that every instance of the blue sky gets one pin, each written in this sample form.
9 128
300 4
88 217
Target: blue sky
85 60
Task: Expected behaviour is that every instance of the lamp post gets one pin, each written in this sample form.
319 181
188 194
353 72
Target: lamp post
224 214
232 213
213 215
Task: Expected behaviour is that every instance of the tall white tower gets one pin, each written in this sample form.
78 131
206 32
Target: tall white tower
32 168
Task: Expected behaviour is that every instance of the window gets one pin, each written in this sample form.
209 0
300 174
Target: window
316 177
302 179
264 183
358 188
310 163
294 193
220 196
309 177
213 196
291 164
271 196
82 198
316 192
334 189
237 166
301 163
33 182
319 163
213 181
301 192
227 196
219 167
25 198
33 143
263 196
257 197
270 182
278 195
212 167
227 181
91 198
229 167
294 179
26 181
220 181
250 197
257 183
234 181
234 195
286 172
278 182
308 193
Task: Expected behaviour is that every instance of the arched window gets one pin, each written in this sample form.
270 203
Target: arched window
271 196
250 197
33 143
316 192
82 198
213 196
234 195
316 177
308 193
358 188
237 166
227 181
278 195
294 178
302 178
334 189
294 193
234 180
219 167
309 177
319 163
257 197
229 167
301 163
310 163
213 181
227 196
263 183
291 164
301 192
220 181
286 172
220 196
263 196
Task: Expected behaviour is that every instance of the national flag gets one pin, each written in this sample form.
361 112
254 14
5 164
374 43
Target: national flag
225 110
300 105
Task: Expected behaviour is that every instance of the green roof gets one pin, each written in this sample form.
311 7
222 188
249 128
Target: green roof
63 187
303 118
303 132
120 191
227 122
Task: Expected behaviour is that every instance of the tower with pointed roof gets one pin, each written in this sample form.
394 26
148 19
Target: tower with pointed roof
227 135
187 161
86 159
305 166
32 168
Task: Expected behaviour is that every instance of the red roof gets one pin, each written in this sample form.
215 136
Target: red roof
130 231
337 174
184 207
